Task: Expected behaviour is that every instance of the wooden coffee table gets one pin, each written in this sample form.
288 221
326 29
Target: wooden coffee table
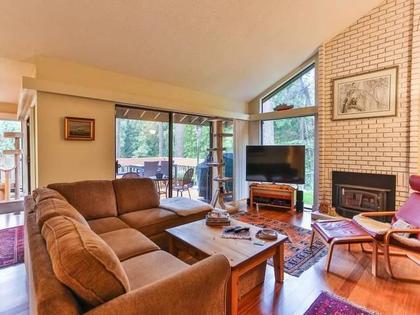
201 241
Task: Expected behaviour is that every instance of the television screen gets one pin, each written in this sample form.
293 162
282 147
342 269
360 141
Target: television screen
275 163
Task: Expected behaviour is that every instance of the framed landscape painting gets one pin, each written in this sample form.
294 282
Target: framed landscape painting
372 94
79 128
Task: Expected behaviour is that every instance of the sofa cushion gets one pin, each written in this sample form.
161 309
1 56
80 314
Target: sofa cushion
135 194
148 268
150 221
44 193
185 206
109 224
127 243
93 198
82 261
52 207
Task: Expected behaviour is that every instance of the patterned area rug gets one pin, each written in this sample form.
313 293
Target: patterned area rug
298 255
11 246
329 304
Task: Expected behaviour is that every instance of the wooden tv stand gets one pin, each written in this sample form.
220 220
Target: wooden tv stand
272 195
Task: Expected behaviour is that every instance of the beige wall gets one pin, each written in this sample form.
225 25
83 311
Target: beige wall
63 77
64 161
8 111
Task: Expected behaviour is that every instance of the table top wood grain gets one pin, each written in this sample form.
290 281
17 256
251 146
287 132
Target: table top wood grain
208 240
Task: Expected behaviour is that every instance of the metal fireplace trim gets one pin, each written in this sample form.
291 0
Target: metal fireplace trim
363 190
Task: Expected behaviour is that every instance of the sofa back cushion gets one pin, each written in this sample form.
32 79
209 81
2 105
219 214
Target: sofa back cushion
52 207
135 194
44 193
83 262
94 199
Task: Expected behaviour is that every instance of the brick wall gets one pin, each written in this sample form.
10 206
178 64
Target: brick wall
388 145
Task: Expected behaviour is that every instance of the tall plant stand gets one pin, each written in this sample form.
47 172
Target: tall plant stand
218 164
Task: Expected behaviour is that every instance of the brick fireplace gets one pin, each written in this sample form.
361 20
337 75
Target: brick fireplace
377 145
353 193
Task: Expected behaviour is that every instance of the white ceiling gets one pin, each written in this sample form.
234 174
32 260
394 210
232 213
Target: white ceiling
233 48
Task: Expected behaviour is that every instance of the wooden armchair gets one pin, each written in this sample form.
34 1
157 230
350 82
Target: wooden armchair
386 235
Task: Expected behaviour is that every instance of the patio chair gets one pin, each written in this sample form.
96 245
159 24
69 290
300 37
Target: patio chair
150 168
131 175
403 233
185 184
164 168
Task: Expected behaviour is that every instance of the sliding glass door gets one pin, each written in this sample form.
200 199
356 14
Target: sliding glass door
191 139
170 148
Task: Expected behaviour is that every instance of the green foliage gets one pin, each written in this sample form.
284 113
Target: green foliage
300 92
8 125
140 138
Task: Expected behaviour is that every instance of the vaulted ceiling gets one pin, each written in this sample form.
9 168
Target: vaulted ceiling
233 48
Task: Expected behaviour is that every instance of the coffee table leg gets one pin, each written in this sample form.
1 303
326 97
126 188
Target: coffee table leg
234 294
278 260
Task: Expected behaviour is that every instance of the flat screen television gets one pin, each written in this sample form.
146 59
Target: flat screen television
275 163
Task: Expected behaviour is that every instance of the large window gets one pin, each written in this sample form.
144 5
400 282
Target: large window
289 131
299 91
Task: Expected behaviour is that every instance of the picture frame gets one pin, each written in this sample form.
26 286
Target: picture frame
366 95
79 129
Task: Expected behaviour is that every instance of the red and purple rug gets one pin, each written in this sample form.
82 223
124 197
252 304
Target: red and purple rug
11 246
329 304
299 256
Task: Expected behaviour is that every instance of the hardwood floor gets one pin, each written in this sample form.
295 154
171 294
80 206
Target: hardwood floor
13 284
350 277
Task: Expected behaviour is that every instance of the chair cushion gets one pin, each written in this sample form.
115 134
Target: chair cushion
410 211
127 243
94 199
343 229
375 228
43 193
109 224
53 207
412 244
135 194
401 224
150 221
143 270
82 261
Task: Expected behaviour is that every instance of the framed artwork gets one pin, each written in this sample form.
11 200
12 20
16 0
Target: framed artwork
372 94
79 129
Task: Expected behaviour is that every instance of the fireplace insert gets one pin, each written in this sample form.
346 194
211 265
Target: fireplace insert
354 193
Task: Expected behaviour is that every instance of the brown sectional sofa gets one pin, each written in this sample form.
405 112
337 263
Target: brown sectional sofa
88 250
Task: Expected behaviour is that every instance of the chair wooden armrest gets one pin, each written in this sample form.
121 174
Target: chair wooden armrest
388 234
378 214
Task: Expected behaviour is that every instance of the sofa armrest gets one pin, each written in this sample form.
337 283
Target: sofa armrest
199 289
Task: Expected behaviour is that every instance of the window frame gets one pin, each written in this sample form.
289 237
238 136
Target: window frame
308 67
311 63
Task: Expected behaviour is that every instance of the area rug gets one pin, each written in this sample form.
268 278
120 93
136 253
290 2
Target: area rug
329 304
11 246
299 256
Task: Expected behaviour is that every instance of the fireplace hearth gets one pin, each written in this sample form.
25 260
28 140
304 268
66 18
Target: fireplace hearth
354 193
